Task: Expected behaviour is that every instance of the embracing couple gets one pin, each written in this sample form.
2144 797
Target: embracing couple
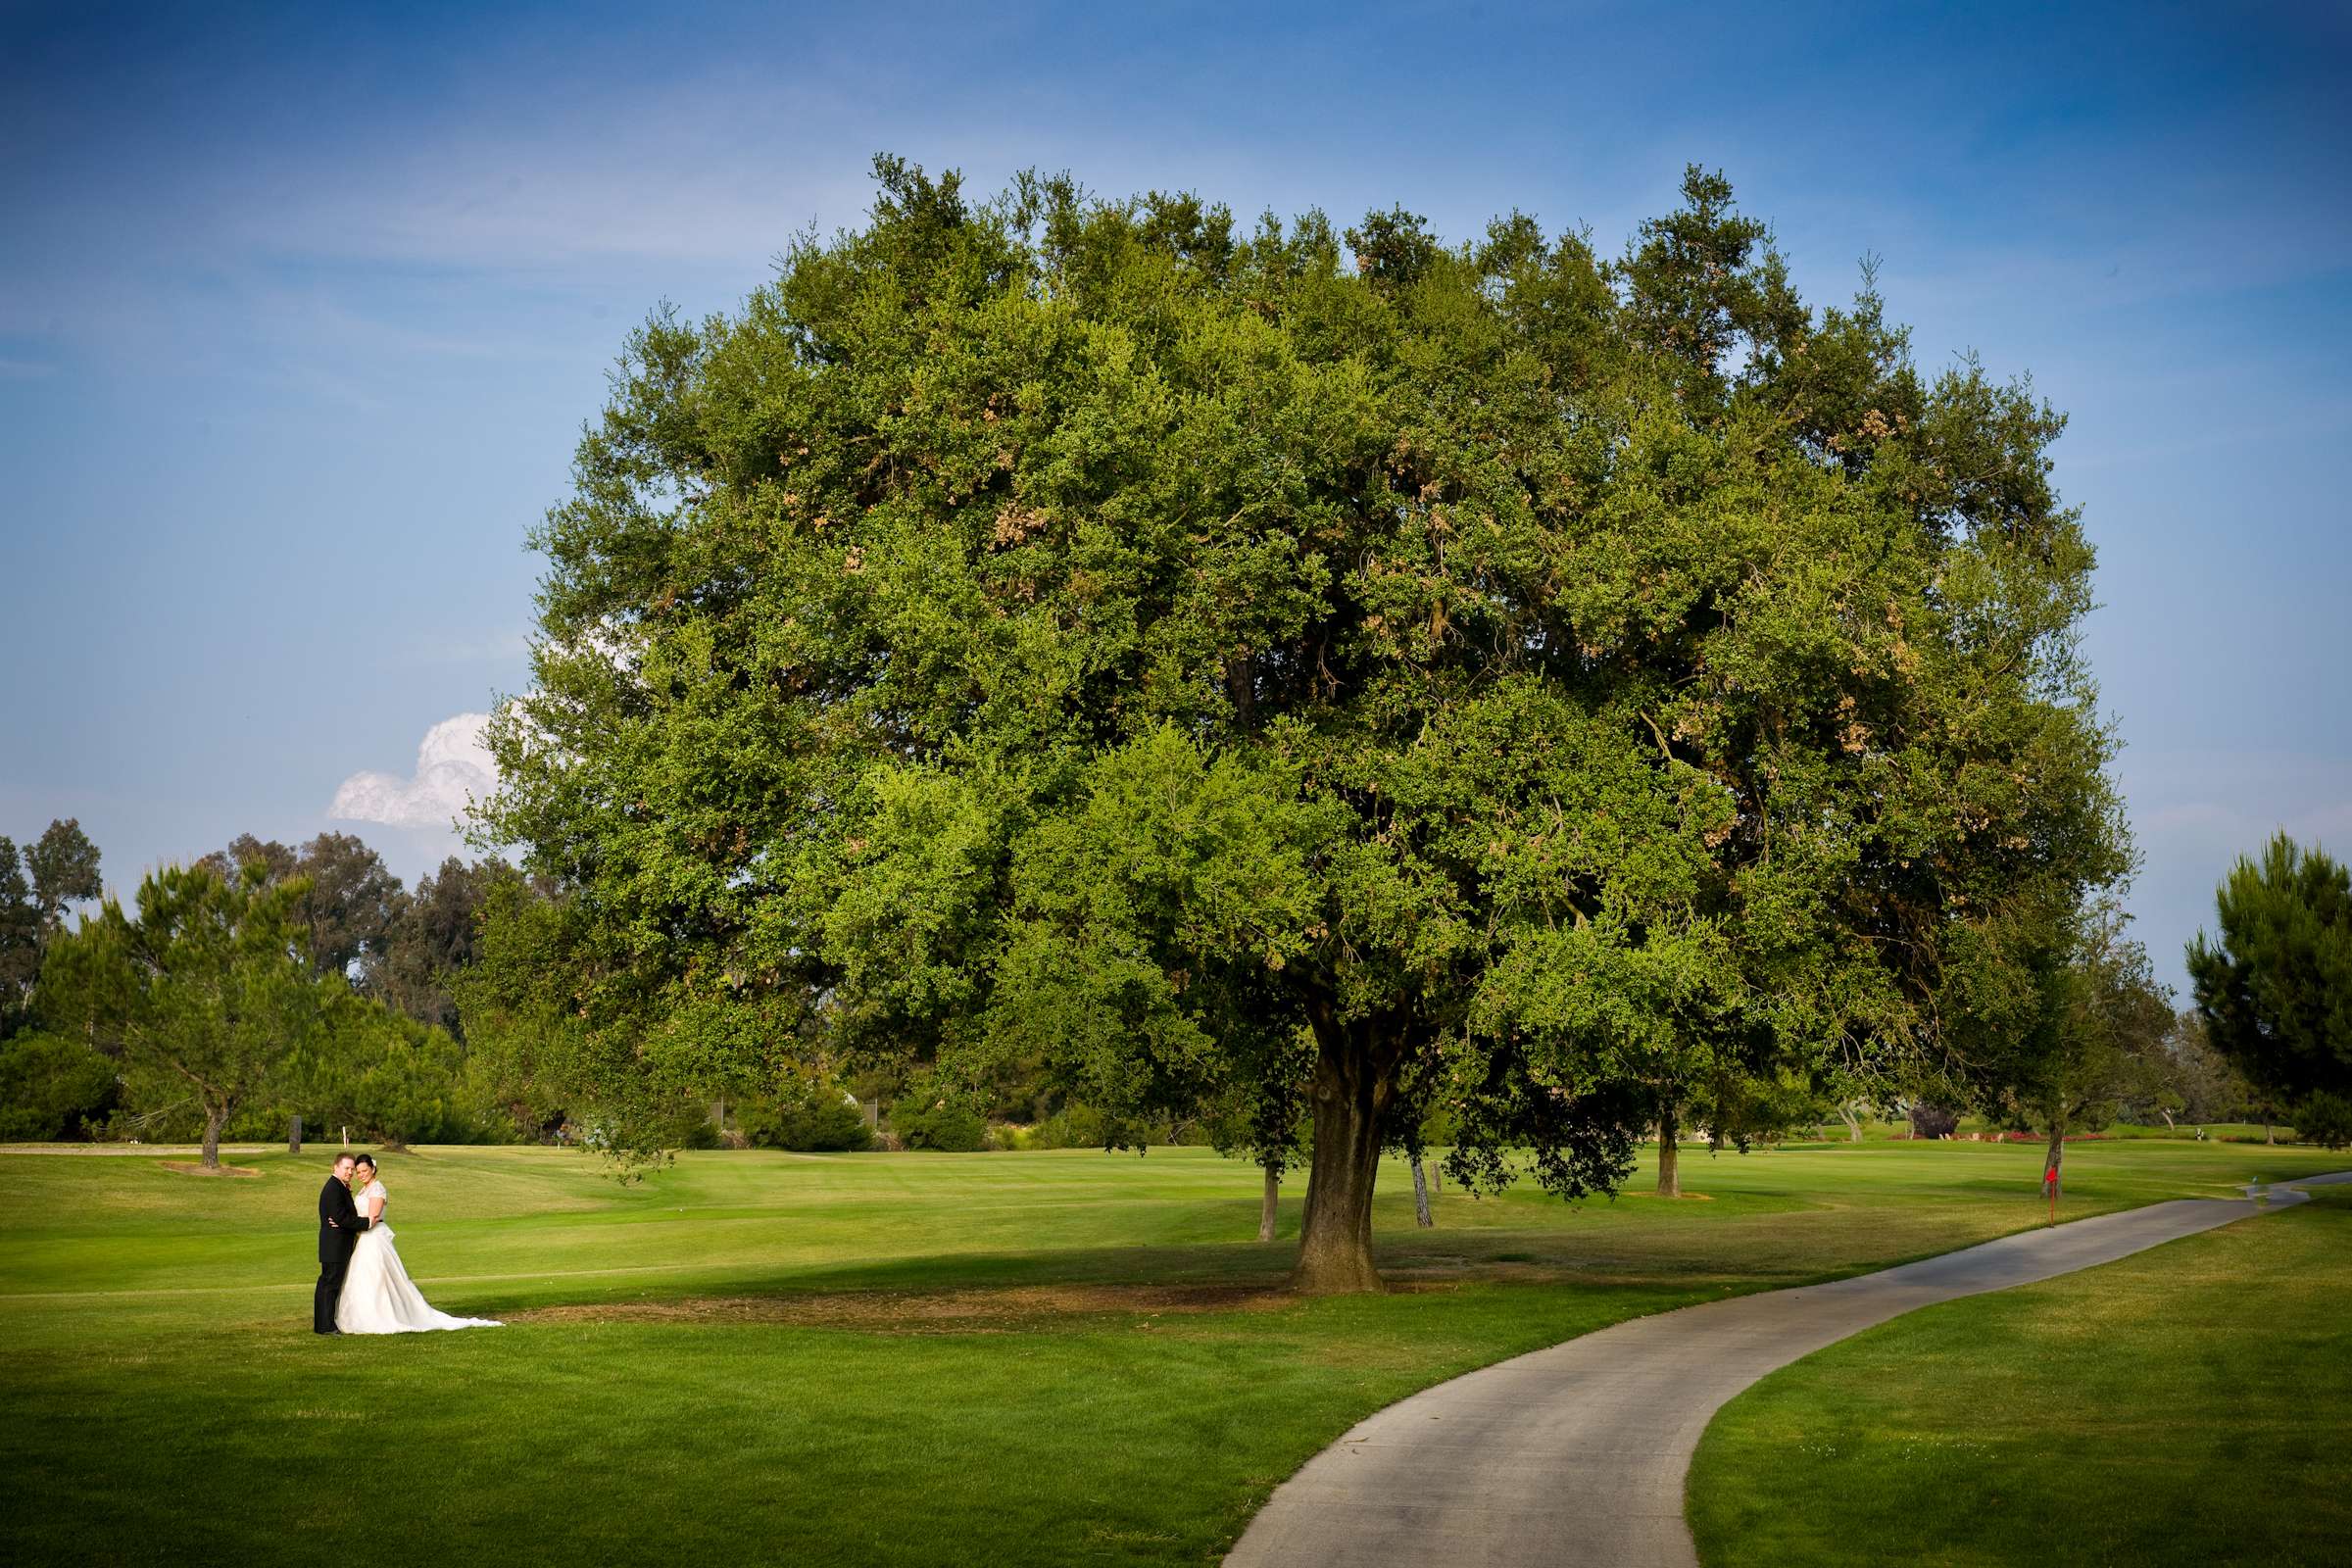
362 1287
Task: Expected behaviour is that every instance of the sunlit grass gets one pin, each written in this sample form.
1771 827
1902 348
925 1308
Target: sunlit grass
2186 1406
1116 1381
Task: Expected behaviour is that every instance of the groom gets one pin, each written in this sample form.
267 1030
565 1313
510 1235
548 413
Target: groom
339 1225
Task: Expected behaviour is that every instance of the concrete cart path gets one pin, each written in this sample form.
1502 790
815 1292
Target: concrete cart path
1577 1455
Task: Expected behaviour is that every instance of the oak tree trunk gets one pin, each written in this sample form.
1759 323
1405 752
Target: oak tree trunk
2053 1163
1421 1196
1335 1235
1853 1124
214 1117
1670 1172
1270 1206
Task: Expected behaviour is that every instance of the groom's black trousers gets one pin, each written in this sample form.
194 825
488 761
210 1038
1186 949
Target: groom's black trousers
334 1262
335 1241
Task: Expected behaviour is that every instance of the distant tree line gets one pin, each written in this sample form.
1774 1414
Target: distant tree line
254 984
49 1087
264 981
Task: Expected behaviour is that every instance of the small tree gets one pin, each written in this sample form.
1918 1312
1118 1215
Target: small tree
206 994
36 885
2080 1026
1265 1122
2209 1085
2275 988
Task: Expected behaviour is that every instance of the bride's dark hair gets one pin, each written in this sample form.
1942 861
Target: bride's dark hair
367 1160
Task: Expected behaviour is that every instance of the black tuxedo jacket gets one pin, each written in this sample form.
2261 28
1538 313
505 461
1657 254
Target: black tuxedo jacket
339 1222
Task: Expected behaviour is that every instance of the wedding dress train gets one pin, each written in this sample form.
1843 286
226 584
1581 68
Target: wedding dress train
378 1296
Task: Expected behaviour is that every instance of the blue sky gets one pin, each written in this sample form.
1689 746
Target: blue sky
302 307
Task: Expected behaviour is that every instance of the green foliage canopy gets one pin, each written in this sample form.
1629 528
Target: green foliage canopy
384 1075
351 900
51 1087
2081 1027
207 994
2275 986
807 1115
1069 627
432 937
349 1061
36 884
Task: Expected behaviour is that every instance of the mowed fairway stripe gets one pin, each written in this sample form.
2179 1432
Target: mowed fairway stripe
1577 1455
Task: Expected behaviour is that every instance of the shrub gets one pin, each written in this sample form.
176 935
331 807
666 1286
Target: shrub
1071 1127
400 1082
689 1127
1932 1122
940 1126
2325 1119
1085 1127
50 1086
816 1119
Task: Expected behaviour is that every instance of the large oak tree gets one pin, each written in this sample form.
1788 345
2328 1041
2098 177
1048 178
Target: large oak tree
1075 630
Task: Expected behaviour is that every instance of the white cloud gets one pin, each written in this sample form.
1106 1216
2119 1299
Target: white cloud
453 768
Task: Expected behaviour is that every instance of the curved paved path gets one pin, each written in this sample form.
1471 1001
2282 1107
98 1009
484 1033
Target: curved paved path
1577 1455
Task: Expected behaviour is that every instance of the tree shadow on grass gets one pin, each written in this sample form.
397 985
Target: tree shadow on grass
996 1290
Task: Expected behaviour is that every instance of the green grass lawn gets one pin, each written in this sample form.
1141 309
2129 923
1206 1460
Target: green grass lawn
2186 1406
1063 1356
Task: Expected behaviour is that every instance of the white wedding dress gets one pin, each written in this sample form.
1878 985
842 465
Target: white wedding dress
378 1296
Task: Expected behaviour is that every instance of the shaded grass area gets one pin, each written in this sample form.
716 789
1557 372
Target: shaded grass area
2186 1406
1053 1356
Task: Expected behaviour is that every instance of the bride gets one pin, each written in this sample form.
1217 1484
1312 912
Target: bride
378 1294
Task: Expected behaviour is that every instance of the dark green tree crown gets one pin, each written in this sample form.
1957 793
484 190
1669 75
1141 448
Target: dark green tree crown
2274 984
